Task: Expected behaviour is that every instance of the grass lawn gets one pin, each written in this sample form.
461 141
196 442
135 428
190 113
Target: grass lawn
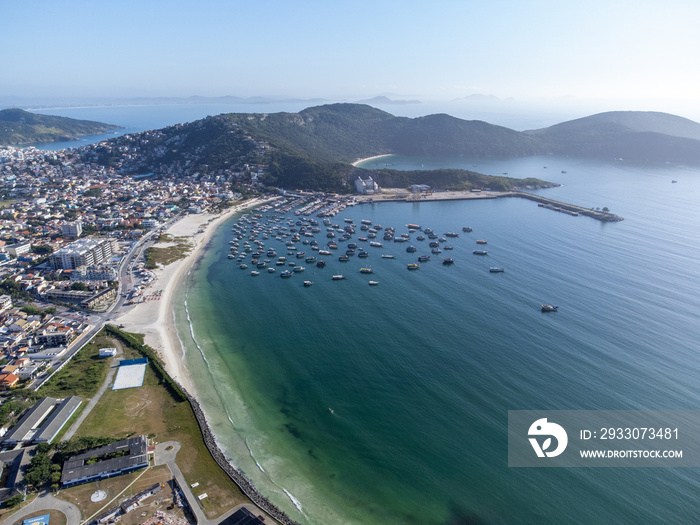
84 374
169 254
120 486
152 411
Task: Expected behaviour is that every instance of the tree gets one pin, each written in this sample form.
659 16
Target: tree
39 470
14 501
43 249
82 287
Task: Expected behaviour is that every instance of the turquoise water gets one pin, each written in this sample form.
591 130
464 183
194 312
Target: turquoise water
421 370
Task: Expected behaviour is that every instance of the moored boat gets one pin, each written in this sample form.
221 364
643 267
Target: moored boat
481 241
423 258
388 256
373 283
413 266
366 270
496 269
308 283
254 273
447 261
480 252
338 277
549 308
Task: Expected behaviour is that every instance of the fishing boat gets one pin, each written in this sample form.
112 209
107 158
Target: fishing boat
496 269
467 229
481 241
480 252
549 308
243 266
254 273
413 266
373 283
411 249
423 258
338 277
366 270
363 254
344 258
308 283
387 256
447 261
286 274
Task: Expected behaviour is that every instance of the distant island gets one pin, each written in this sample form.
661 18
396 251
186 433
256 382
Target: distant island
19 127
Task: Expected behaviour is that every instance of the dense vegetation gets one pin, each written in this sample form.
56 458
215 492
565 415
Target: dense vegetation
22 127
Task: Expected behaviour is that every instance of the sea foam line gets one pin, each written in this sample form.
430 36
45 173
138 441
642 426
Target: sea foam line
294 500
189 323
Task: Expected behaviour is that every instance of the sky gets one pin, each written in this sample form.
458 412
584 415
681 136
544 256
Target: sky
635 54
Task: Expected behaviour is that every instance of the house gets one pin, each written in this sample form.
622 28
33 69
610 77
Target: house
8 381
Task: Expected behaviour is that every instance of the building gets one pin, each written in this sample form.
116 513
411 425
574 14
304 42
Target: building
61 336
19 249
71 229
5 302
8 381
94 273
366 187
83 252
77 470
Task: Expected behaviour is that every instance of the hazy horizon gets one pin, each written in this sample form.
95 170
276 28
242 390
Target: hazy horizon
537 55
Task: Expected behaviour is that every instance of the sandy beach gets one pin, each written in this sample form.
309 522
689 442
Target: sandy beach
155 319
358 161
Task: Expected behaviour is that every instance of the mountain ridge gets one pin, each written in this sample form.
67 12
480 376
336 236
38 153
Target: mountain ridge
19 127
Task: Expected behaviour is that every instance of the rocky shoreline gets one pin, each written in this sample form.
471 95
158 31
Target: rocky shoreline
239 479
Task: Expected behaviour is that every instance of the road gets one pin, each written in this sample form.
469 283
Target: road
97 320
47 502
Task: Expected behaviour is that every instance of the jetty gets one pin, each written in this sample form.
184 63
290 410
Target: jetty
563 207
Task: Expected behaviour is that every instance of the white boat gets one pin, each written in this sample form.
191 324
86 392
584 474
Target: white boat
338 277
386 256
373 283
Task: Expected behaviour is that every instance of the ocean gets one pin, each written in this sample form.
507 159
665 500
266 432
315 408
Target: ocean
421 370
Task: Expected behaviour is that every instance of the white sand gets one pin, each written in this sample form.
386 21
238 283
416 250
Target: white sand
155 319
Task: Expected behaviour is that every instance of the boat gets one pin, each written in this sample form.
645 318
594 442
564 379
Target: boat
480 252
231 256
243 266
271 270
343 258
673 181
363 254
376 244
308 283
549 308
286 274
366 270
254 273
496 269
451 234
411 249
310 260
481 241
467 229
423 258
413 266
320 264
298 269
373 283
447 261
413 227
387 256
338 277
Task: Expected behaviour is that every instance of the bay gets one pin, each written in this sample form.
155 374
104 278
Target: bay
421 370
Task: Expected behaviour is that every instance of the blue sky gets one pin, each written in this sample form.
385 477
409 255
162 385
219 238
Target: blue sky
639 54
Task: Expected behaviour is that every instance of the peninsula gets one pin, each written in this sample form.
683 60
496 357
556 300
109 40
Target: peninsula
19 127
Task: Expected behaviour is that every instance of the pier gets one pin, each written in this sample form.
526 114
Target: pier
563 207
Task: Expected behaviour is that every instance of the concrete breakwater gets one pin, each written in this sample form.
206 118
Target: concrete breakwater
243 483
564 207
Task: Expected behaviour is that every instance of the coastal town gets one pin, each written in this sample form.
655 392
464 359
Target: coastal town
74 258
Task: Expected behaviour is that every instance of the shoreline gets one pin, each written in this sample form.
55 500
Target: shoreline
155 319
358 161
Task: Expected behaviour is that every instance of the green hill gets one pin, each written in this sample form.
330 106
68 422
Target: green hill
19 127
640 136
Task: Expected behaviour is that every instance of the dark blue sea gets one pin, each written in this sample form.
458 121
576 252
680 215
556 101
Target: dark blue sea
421 370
